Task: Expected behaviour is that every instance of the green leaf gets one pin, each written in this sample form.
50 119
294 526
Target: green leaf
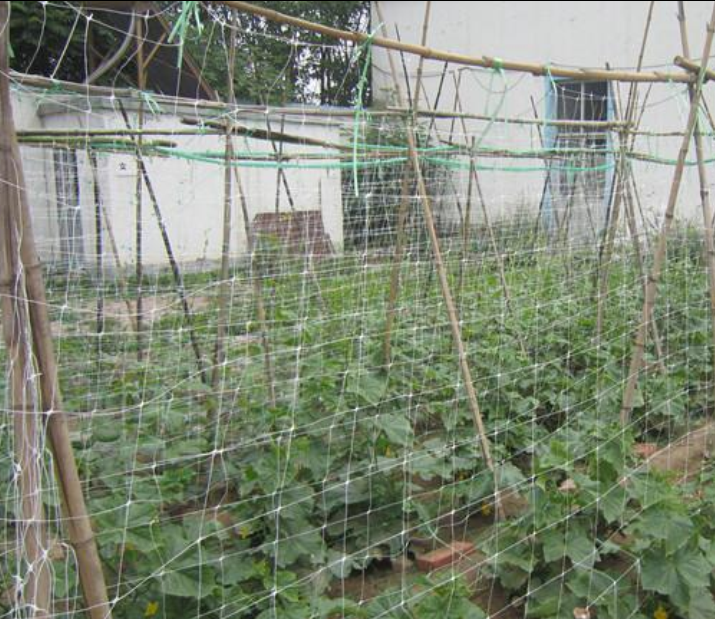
612 504
580 549
186 584
658 574
702 605
236 570
397 428
693 568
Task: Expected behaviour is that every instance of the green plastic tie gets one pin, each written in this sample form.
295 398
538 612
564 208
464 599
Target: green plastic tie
189 9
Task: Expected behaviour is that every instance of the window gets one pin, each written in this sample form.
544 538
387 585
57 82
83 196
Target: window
579 177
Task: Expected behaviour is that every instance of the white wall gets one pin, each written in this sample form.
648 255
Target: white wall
576 34
190 193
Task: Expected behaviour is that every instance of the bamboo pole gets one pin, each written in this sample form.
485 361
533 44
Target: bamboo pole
224 288
466 228
173 264
402 212
492 237
607 247
17 215
447 294
108 228
34 585
138 201
693 67
259 298
98 245
651 295
629 213
704 191
400 243
485 62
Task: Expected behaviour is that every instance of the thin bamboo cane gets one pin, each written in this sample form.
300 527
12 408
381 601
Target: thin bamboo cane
98 247
466 229
492 237
460 59
660 251
18 215
400 242
173 264
224 288
109 230
447 295
421 64
704 192
282 176
607 248
259 298
629 213
138 201
402 212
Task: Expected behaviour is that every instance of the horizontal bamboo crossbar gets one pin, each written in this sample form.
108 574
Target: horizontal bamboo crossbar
486 62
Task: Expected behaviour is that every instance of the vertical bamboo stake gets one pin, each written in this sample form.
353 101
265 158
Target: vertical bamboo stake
490 231
17 222
704 189
98 245
400 243
402 212
640 264
138 213
174 265
620 184
466 226
660 249
257 284
107 227
446 292
224 289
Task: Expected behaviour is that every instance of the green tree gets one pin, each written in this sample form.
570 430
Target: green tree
274 63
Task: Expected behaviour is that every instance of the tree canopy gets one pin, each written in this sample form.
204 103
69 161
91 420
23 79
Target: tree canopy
274 63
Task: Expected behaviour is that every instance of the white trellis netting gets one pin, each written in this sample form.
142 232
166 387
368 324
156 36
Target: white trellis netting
266 405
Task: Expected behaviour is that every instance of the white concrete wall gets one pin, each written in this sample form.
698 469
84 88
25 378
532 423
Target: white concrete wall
190 193
576 34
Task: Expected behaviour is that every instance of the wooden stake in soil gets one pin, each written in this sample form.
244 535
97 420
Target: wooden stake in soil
445 288
704 191
651 294
19 247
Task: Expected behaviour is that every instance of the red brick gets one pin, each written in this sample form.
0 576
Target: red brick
444 556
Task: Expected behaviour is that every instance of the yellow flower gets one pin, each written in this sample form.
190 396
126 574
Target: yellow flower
151 609
660 613
487 511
